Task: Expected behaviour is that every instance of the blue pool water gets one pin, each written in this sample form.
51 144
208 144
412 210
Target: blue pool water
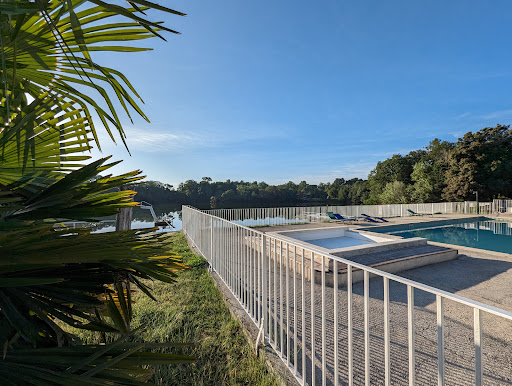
486 233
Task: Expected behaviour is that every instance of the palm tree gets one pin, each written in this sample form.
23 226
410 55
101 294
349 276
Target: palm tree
51 276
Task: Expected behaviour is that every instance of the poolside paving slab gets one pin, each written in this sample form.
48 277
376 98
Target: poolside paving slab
479 275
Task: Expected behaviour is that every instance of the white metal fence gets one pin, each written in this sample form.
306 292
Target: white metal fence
502 206
385 330
286 215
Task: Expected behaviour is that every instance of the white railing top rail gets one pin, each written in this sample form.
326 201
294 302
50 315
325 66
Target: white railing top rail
424 287
366 205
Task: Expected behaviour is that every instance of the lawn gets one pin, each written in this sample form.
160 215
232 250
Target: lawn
193 310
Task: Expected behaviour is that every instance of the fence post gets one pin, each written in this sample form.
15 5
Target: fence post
266 319
211 241
124 217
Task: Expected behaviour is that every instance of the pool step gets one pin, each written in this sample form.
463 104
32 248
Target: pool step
395 261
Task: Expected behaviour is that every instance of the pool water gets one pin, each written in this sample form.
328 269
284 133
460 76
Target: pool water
489 234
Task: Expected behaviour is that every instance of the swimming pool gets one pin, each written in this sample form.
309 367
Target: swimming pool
483 233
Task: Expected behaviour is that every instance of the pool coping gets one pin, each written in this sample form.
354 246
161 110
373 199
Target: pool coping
395 242
470 251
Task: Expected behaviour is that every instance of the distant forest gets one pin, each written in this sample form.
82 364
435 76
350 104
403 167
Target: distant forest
442 171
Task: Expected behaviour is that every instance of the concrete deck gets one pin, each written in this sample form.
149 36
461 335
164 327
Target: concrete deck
476 274
481 278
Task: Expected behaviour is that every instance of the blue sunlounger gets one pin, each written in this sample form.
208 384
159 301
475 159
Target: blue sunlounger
375 217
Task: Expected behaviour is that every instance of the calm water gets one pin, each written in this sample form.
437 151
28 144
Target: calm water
142 219
489 234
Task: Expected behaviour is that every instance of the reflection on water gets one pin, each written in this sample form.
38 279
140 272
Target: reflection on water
142 219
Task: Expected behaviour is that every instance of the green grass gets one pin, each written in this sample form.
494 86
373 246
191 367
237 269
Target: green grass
193 310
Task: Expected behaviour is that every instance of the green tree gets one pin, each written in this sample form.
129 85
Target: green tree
424 180
394 193
396 168
482 162
429 174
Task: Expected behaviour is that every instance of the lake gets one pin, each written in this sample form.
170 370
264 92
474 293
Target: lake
142 218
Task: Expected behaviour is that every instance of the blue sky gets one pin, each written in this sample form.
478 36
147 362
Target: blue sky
296 90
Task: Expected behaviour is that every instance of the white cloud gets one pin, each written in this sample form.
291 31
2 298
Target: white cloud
155 141
500 114
347 171
458 134
152 140
463 115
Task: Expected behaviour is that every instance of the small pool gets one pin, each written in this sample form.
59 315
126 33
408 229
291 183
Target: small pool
332 238
343 242
483 233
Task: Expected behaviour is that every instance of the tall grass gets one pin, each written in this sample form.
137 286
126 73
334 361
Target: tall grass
193 310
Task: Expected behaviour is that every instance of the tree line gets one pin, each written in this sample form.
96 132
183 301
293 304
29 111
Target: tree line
442 171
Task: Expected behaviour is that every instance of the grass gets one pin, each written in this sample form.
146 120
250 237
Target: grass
193 310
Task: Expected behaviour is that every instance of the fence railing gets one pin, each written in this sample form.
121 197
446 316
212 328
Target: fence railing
328 329
502 206
286 215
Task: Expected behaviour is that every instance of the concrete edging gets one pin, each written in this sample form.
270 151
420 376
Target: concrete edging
274 362
464 250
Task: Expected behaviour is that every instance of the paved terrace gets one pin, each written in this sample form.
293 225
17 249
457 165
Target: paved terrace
478 275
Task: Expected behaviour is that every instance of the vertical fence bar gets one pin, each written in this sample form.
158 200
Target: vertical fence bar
248 258
350 327
440 340
228 254
312 318
366 328
224 249
211 242
233 254
257 278
303 309
324 338
336 338
239 272
295 360
220 247
246 266
254 275
410 319
264 284
478 347
287 304
281 309
274 298
271 259
248 262
233 258
387 363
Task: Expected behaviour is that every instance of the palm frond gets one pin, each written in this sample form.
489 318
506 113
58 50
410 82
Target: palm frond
50 51
113 364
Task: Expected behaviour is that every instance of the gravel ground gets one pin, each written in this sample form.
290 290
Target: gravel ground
484 278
